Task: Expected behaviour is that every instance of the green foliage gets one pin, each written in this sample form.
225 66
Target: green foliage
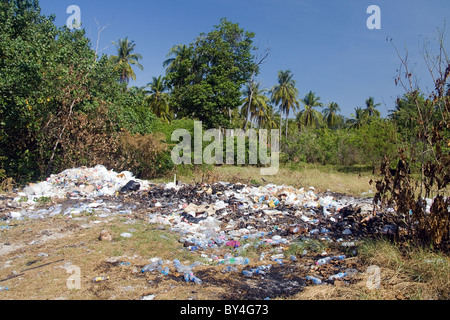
125 59
206 77
365 146
51 89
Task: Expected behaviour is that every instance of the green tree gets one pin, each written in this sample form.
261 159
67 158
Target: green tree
174 52
330 115
206 78
259 103
406 113
269 119
358 119
158 99
285 94
371 108
126 59
309 117
60 105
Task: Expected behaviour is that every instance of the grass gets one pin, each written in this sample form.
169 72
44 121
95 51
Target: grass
406 273
347 180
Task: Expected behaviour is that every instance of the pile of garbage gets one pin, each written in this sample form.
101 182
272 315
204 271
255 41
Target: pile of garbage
213 217
83 182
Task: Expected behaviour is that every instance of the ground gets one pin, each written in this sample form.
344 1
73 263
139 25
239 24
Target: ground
44 259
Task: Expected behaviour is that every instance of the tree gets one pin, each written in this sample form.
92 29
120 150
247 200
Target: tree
309 117
371 108
125 59
330 115
60 104
174 52
269 119
255 101
158 99
285 95
207 77
358 119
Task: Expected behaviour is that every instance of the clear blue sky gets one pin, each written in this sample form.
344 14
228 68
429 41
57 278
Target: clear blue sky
326 44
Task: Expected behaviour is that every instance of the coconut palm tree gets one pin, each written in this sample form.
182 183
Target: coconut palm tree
125 59
285 94
330 114
158 99
268 121
309 117
358 118
174 52
255 102
371 108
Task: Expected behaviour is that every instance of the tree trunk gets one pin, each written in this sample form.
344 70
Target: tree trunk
248 109
287 115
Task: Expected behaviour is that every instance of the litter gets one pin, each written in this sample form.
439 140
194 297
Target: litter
220 222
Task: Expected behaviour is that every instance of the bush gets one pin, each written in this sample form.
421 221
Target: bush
141 154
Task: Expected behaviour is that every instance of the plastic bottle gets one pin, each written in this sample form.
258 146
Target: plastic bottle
293 258
237 260
314 279
229 269
4 289
152 266
323 261
164 271
279 261
187 276
261 269
277 256
247 273
338 276
197 281
341 257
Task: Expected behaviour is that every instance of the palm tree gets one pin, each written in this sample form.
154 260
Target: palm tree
255 103
285 93
309 117
330 114
125 59
359 118
174 52
370 108
268 121
158 99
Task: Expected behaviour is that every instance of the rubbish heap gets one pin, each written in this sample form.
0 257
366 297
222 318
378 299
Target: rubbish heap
79 182
210 218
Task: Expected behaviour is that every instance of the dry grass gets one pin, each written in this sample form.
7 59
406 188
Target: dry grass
6 185
77 243
408 274
322 178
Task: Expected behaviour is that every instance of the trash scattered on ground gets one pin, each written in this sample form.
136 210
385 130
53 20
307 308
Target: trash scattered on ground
218 222
99 279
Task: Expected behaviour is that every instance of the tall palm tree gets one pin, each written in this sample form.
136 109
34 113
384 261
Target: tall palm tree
330 114
359 118
285 94
158 99
255 103
174 52
371 108
309 117
125 59
268 121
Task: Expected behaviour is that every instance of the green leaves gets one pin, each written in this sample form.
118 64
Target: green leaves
206 77
126 59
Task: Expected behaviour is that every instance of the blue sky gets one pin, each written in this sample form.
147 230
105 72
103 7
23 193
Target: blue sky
326 44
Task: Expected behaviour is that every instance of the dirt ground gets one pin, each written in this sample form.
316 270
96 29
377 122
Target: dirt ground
58 257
